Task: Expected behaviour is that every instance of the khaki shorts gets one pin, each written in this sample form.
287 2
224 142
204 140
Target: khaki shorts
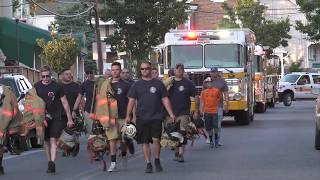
114 131
182 120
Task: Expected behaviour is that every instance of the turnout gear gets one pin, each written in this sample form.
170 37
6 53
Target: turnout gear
169 141
10 118
106 110
171 138
97 143
33 114
69 142
69 139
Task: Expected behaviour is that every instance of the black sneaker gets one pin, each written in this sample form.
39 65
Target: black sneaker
1 170
149 168
51 167
131 147
158 165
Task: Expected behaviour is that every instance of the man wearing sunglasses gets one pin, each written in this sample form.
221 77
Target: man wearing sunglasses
151 95
56 102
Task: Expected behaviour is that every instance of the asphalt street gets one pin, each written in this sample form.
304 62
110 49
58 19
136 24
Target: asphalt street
277 145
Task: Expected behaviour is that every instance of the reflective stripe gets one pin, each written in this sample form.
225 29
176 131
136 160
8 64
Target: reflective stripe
92 116
113 104
103 119
7 113
38 110
102 102
2 134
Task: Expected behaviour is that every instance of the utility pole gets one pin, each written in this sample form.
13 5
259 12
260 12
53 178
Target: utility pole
98 38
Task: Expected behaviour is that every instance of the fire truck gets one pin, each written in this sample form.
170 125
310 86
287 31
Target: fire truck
260 80
229 50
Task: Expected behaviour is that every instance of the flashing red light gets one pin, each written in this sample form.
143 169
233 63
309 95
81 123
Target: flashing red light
192 36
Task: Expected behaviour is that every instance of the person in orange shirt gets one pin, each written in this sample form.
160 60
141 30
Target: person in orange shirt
209 101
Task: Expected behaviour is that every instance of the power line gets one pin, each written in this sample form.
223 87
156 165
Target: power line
14 5
61 15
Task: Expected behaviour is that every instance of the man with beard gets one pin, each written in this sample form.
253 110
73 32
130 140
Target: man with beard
71 90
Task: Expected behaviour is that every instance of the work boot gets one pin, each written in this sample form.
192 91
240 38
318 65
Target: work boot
158 165
51 167
149 168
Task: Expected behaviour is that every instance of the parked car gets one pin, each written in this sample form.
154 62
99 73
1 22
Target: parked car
20 86
297 85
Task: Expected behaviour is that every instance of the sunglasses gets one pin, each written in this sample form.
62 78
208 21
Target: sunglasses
147 68
89 72
45 76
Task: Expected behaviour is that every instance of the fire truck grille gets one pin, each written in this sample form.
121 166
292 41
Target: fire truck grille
197 78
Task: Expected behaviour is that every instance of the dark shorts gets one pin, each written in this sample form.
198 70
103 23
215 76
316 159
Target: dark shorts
148 129
210 121
55 127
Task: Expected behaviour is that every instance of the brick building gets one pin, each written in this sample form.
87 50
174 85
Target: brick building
205 14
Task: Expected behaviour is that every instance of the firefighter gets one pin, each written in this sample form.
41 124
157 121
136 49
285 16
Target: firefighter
9 118
181 90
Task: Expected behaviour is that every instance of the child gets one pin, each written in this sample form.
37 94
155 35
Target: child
209 100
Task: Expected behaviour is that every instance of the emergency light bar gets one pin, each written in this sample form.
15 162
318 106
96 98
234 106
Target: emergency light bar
201 36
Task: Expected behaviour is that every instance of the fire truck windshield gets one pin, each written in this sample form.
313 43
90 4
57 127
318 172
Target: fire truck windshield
190 56
222 55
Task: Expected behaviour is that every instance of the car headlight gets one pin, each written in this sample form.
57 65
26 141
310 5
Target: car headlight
237 96
282 86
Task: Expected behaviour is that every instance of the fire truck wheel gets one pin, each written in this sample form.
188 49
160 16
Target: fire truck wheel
242 117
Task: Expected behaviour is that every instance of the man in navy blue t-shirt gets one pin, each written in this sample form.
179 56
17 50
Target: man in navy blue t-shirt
151 95
183 91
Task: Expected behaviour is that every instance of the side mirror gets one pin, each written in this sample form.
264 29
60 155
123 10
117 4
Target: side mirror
315 91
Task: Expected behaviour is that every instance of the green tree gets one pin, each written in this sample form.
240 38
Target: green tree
79 24
295 67
142 24
311 9
59 53
250 14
